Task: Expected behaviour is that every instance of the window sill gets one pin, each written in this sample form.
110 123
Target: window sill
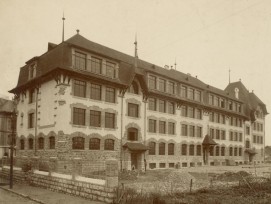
133 117
79 126
95 127
110 128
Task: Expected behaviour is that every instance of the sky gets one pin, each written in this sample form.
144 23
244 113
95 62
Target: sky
206 38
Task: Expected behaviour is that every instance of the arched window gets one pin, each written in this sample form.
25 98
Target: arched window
184 149
222 151
235 151
198 150
133 88
78 143
152 148
230 151
52 142
132 134
94 144
240 151
170 149
22 144
109 144
41 143
191 150
162 148
217 150
30 143
247 144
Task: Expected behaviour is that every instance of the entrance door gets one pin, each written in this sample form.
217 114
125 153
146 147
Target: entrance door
133 161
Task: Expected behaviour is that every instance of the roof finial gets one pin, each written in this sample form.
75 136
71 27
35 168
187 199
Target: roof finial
175 64
77 31
229 76
63 19
136 56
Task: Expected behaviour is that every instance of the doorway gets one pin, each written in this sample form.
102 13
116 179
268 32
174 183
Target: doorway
133 161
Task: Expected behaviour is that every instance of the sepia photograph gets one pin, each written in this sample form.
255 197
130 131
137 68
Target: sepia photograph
135 101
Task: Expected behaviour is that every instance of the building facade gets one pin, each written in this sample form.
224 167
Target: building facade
86 101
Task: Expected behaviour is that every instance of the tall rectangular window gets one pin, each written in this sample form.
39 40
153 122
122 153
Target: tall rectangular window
32 96
192 131
191 93
162 85
79 88
223 134
247 130
109 120
198 113
110 69
78 116
191 112
199 131
171 128
162 106
184 130
184 91
31 120
95 91
152 104
80 60
152 125
133 110
197 95
110 95
162 127
152 82
96 65
171 88
95 118
152 148
184 111
216 100
211 99
171 108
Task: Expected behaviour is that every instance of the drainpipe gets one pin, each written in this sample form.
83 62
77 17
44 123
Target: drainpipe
145 101
36 122
264 139
121 130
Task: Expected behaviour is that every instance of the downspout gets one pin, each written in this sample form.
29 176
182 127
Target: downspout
264 139
145 114
36 122
121 130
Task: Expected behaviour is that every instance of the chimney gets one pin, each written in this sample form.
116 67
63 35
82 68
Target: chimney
51 46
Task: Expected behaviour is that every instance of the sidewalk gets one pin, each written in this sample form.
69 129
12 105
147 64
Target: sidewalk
44 196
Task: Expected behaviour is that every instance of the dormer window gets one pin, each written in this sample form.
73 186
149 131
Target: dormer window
110 69
80 60
162 85
171 89
96 65
32 70
133 88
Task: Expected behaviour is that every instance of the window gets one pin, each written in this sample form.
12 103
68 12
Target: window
231 136
216 99
230 105
95 118
184 149
198 114
222 119
52 142
191 93
80 60
192 131
184 111
132 134
171 109
41 143
32 70
152 125
109 144
240 151
162 148
162 85
78 143
162 106
211 117
79 88
95 91
162 127
32 96
198 150
110 69
184 130
247 144
30 143
152 82
94 144
133 110
96 65
191 112
217 150
218 134
110 95
235 151
197 95
212 133
152 148
222 149
78 116
109 120
171 128
184 91
31 120
191 150
152 104
240 137
211 99
231 151
223 135
171 89
22 144
170 149
199 131
133 88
